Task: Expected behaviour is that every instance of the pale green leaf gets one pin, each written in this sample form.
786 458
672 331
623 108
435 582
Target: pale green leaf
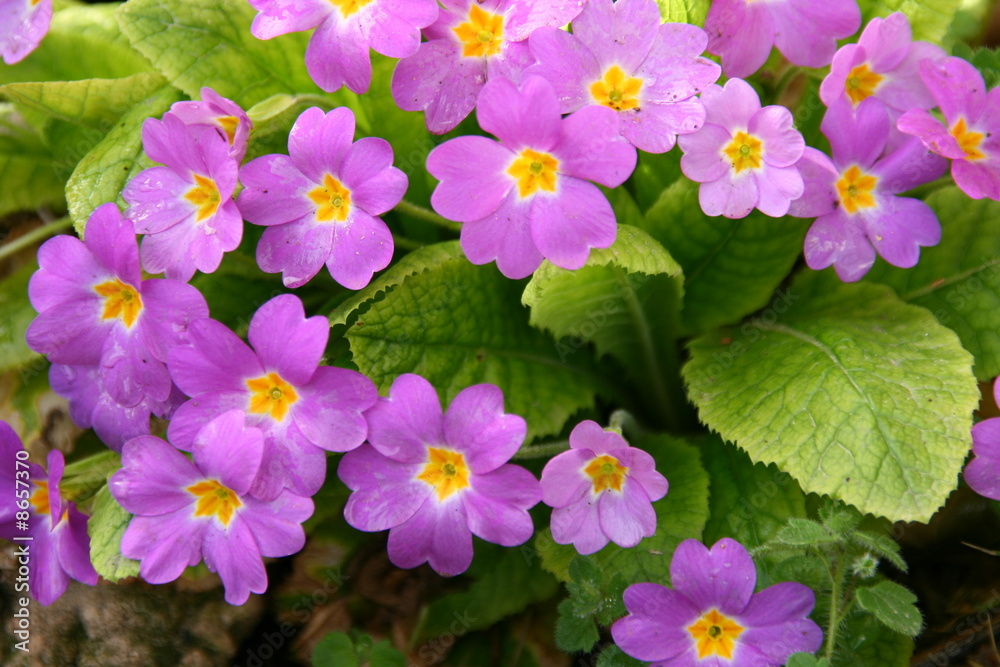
457 325
854 393
929 19
17 315
625 301
959 279
27 177
104 171
731 267
196 44
106 527
94 103
893 605
750 502
684 11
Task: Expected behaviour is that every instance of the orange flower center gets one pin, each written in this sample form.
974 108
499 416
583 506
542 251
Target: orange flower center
215 500
606 473
482 34
534 171
714 634
855 189
969 141
333 200
861 83
744 151
229 125
205 195
269 394
615 90
121 301
446 471
348 7
40 498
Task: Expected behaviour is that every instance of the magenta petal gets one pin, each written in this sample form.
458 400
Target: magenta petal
703 160
589 435
722 577
276 525
67 272
234 555
496 519
931 132
290 462
226 450
900 228
70 333
386 493
836 239
287 341
318 141
156 199
742 33
129 371
330 414
436 79
655 127
563 480
165 544
274 191
523 18
567 64
175 305
907 167
592 149
24 37
857 135
776 623
215 360
153 477
279 17
73 545
194 414
579 524
983 472
806 32
730 195
675 70
626 517
504 236
297 250
476 425
731 106
774 126
337 54
777 187
474 182
957 87
525 116
819 195
402 426
619 33
394 25
655 630
437 534
111 238
380 193
977 179
361 247
566 226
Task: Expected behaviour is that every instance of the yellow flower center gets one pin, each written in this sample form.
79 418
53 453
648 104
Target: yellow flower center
744 151
534 171
215 500
446 471
40 498
606 473
348 7
615 90
205 195
861 83
855 189
269 394
333 200
229 125
120 301
714 634
482 34
969 141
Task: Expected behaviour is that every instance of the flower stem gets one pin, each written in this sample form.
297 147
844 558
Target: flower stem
427 215
544 449
836 613
35 235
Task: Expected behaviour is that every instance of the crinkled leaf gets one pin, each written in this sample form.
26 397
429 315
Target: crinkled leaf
575 632
731 267
625 301
684 11
750 502
928 18
94 103
853 392
893 605
27 177
804 532
959 279
197 44
680 515
83 42
458 325
104 171
106 526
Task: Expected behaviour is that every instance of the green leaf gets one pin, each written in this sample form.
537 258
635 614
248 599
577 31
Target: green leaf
929 19
865 641
83 42
731 267
804 532
854 393
505 584
27 177
418 261
106 527
750 502
575 632
684 11
104 171
384 654
94 103
624 300
459 325
882 545
612 656
681 515
959 279
335 650
806 660
984 59
209 44
893 605
84 478
17 315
